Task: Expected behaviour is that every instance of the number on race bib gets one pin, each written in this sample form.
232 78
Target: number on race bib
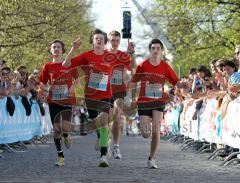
153 90
60 92
98 81
117 77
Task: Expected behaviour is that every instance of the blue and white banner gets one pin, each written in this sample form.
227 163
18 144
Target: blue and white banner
209 125
20 127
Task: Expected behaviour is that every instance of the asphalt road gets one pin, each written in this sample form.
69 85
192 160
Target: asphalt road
36 164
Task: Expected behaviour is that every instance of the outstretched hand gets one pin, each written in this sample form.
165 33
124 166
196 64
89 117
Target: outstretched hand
131 47
76 44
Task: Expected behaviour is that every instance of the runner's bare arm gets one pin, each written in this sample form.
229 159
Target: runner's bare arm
127 76
131 51
76 44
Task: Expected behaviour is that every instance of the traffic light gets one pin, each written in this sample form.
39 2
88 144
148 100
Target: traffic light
126 31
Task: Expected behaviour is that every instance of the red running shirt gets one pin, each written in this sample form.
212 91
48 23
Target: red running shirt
98 72
152 79
60 79
122 61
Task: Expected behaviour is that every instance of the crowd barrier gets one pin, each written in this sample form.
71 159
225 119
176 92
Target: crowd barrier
170 123
209 125
21 127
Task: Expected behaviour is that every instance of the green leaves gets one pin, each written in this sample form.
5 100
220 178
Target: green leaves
201 30
27 27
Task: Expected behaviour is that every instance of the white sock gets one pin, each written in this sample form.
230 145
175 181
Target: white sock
115 145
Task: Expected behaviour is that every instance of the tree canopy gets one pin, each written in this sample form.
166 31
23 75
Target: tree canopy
27 27
199 30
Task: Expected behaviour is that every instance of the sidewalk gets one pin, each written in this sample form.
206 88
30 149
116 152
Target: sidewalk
36 164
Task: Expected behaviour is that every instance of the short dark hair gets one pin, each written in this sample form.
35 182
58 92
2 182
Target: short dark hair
192 70
234 60
58 41
231 64
6 69
98 31
21 67
155 41
205 70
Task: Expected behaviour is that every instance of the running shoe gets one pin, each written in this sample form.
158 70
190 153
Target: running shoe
152 164
116 153
60 161
103 162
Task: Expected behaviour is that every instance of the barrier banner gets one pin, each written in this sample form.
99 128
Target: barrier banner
209 125
230 125
185 119
171 121
46 123
19 127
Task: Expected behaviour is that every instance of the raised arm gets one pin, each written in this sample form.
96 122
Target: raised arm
131 51
76 44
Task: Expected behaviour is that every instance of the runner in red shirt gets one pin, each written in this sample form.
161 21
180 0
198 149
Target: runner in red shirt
97 66
152 74
122 67
59 79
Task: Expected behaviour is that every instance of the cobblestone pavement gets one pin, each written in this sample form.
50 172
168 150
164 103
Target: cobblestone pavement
36 164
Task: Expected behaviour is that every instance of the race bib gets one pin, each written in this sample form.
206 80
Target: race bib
153 90
60 92
117 77
98 81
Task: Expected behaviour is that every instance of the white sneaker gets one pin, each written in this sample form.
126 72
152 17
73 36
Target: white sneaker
116 153
103 162
152 164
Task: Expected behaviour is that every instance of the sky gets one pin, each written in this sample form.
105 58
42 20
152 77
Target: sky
108 15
